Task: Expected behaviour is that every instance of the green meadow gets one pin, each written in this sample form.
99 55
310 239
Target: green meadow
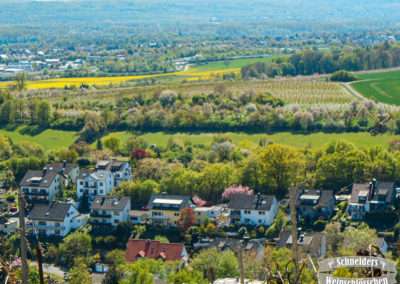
48 139
382 86
315 140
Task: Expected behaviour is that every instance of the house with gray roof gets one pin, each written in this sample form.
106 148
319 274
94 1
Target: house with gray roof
313 244
110 211
69 172
370 197
56 219
120 170
253 210
165 209
92 183
315 204
41 186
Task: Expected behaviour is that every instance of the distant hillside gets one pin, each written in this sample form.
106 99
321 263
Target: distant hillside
267 16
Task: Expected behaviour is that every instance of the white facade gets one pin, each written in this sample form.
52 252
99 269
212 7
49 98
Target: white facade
37 191
98 183
110 211
203 214
259 217
59 228
123 174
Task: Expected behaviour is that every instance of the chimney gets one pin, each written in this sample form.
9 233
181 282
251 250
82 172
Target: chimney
370 190
64 164
374 183
44 171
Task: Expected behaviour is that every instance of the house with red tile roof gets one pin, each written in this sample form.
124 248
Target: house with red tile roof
137 249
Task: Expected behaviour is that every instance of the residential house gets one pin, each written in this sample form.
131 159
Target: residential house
55 219
137 249
253 210
140 217
370 197
212 213
69 172
41 186
110 211
252 247
121 171
313 244
92 183
315 204
165 209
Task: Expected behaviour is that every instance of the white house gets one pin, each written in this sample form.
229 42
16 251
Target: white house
212 213
253 210
110 210
121 171
94 183
41 186
69 172
55 219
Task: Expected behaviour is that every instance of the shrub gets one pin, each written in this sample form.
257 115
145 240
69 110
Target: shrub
342 76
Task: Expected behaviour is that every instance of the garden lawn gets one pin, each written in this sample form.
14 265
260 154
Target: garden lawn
48 139
315 140
382 86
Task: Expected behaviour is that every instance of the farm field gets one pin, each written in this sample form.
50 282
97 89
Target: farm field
203 72
48 139
315 140
291 91
382 86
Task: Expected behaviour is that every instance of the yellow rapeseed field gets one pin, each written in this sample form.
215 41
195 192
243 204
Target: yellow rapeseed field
60 83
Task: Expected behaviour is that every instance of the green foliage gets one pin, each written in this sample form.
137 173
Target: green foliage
75 245
79 274
342 76
214 264
138 191
186 276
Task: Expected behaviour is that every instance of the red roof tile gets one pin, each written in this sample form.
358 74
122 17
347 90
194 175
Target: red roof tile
153 249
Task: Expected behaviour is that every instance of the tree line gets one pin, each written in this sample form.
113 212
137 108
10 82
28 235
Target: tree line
315 61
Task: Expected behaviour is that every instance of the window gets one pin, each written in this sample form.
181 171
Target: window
247 212
176 214
261 212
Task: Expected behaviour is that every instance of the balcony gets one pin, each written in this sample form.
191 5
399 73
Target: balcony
96 214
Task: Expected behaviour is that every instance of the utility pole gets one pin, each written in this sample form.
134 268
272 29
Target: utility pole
24 256
40 262
241 265
293 219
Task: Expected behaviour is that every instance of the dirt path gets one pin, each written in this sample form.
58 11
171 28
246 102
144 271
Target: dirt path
352 91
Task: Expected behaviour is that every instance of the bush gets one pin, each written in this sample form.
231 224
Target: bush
342 76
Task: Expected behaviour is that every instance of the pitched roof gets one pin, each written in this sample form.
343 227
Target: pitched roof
153 249
64 168
110 165
42 178
384 188
168 202
313 197
251 202
110 203
95 174
55 211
